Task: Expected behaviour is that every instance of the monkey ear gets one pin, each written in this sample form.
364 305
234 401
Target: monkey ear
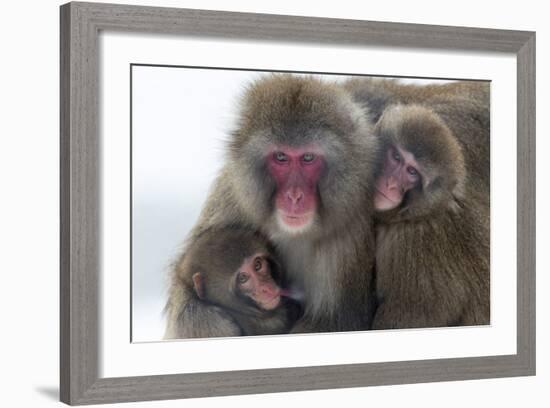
198 284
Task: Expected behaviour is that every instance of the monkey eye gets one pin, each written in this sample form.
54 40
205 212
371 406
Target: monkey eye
280 157
308 157
257 264
242 278
396 156
412 171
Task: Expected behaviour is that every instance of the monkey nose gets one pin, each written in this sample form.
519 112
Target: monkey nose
295 196
270 290
391 183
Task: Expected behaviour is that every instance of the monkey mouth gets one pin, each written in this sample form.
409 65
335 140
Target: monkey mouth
385 196
296 220
272 303
381 206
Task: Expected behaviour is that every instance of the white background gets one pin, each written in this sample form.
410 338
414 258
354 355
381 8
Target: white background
29 168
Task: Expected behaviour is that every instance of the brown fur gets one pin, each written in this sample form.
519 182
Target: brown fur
432 255
332 262
217 255
464 106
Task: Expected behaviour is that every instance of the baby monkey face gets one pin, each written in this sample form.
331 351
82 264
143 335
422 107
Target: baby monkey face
401 172
255 281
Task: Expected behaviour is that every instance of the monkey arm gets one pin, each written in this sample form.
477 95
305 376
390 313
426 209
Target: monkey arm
189 317
421 297
347 317
433 273
418 296
398 315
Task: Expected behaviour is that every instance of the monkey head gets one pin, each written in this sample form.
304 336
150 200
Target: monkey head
299 155
235 269
422 168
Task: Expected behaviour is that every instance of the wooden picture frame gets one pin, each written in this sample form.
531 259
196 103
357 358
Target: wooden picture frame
80 189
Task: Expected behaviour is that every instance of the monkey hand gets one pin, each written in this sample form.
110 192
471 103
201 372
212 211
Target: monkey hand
199 320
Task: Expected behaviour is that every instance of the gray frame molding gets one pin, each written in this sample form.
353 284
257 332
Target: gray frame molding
80 234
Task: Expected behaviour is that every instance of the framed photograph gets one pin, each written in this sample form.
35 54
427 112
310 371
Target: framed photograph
310 203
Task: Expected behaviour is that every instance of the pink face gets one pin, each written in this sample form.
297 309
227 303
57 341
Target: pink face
296 172
400 173
255 281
